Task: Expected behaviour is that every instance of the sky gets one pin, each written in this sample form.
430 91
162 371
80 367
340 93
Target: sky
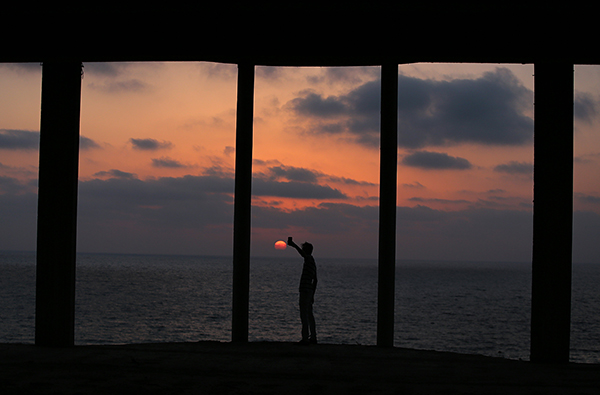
157 160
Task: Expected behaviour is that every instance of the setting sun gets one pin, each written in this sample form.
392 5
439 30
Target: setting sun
280 245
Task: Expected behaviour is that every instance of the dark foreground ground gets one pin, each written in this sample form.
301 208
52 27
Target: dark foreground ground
277 368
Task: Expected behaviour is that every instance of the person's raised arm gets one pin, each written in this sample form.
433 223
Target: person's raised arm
291 243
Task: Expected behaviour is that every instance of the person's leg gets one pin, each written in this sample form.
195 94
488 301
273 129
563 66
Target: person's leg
311 319
305 305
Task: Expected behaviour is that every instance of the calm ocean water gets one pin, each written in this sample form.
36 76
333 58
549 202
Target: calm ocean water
466 307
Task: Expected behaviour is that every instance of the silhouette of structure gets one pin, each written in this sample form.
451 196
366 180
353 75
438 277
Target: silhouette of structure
248 36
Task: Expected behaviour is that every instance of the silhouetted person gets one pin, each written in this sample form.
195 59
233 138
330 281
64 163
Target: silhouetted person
308 286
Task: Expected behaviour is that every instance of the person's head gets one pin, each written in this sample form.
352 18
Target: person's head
307 247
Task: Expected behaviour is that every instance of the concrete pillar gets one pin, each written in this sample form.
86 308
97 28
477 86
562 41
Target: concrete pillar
242 204
57 204
552 213
387 205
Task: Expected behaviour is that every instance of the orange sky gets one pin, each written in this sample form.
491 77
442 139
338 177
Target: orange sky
160 142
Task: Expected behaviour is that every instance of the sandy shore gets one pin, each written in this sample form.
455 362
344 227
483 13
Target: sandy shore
277 368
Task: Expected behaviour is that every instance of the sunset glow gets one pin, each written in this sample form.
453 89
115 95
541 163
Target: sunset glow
157 159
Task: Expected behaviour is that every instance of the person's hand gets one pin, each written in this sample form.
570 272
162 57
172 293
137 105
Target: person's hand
290 240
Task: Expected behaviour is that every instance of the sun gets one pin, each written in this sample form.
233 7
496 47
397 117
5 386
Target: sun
280 245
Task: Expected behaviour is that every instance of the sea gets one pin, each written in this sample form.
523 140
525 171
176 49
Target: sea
464 307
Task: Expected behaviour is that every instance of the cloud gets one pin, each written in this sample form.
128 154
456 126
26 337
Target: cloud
435 161
586 107
323 219
14 186
86 143
126 214
106 69
489 110
348 181
229 150
186 186
354 75
114 173
222 71
293 173
149 144
422 232
294 189
315 105
414 185
437 200
514 167
23 68
12 139
469 234
587 198
130 85
286 181
168 163
355 114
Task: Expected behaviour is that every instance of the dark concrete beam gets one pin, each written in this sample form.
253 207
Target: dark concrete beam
552 213
242 226
387 204
265 35
57 204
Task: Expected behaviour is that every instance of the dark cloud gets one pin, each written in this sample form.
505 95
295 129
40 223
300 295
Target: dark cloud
114 77
435 161
269 73
332 75
114 173
106 69
149 144
471 234
229 150
293 173
168 163
86 143
126 191
514 167
294 189
315 105
303 175
414 185
586 107
126 214
422 232
23 68
324 219
14 186
587 198
262 162
437 200
12 139
130 85
489 110
348 181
